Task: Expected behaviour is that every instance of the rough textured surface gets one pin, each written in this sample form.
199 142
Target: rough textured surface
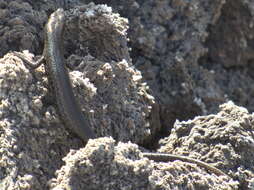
193 56
103 164
32 140
112 92
225 139
22 23
121 102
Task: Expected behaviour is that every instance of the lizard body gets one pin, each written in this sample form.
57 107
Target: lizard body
58 78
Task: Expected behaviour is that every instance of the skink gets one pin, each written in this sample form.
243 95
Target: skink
58 78
67 106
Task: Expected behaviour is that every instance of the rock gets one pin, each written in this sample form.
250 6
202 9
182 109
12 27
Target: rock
226 140
180 66
105 164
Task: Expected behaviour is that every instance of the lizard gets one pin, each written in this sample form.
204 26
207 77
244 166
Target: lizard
69 110
58 77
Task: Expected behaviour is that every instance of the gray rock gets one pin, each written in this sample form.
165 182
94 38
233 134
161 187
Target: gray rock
191 55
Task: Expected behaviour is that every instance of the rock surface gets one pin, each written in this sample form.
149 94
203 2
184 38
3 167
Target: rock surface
225 139
105 164
180 66
194 55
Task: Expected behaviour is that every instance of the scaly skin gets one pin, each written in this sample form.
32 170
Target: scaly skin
59 80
